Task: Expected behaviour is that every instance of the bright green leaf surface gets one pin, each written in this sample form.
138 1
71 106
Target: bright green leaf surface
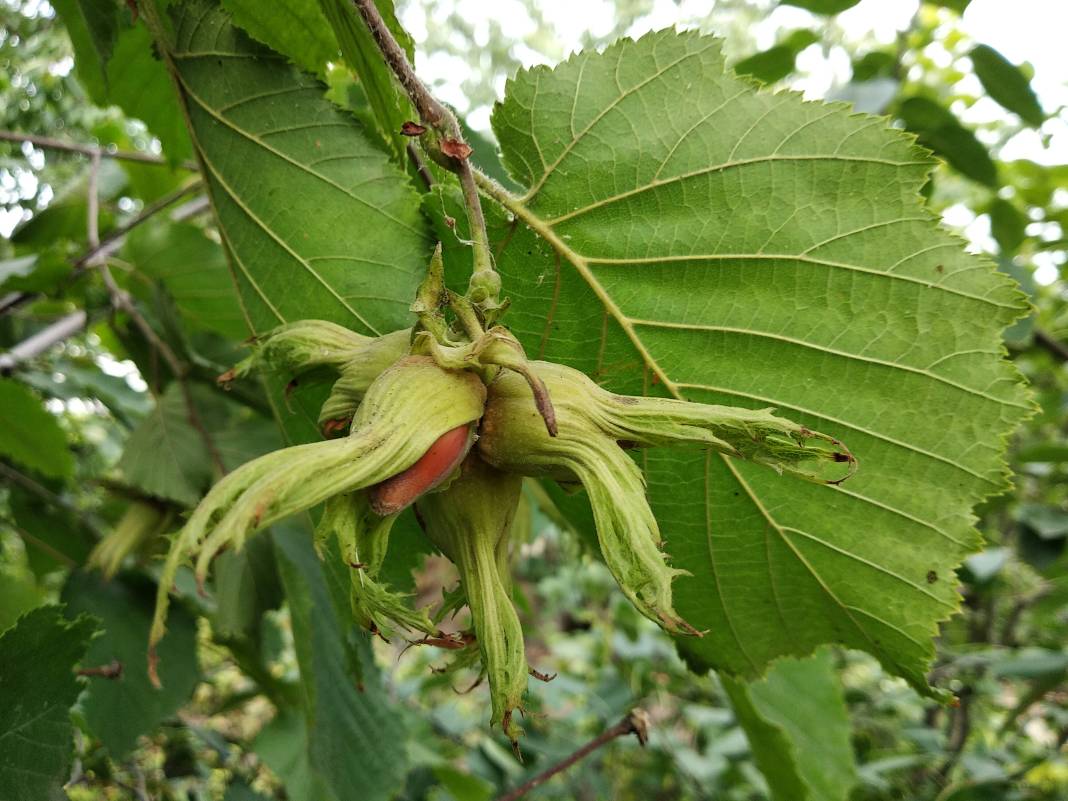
317 221
708 241
120 710
37 689
165 455
798 729
356 745
1004 82
29 434
294 28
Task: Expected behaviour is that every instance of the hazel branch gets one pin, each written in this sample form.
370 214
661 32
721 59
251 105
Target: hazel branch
437 116
636 722
121 299
48 143
109 243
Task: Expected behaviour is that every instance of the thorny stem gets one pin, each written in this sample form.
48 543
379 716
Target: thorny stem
434 115
636 722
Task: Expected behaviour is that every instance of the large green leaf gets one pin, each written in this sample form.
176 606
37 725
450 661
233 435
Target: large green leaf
798 729
29 434
685 234
1004 82
316 220
37 689
166 455
294 28
355 741
120 710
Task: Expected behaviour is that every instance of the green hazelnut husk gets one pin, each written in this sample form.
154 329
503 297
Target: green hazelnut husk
406 409
470 522
295 348
591 424
363 540
356 376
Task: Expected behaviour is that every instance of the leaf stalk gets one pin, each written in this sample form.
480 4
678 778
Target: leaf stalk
437 116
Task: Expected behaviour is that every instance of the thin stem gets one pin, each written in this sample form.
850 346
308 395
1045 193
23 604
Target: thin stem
92 216
108 244
634 723
112 241
1057 349
15 477
121 299
437 116
432 112
89 150
112 670
476 220
420 165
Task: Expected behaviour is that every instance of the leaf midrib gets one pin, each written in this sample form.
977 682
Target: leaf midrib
723 167
546 232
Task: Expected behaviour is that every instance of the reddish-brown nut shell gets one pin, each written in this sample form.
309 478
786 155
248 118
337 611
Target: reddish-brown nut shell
437 464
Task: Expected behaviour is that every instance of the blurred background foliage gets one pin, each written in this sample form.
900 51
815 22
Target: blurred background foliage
115 380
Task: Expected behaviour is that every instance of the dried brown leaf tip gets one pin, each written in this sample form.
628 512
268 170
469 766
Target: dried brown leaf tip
412 129
456 149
